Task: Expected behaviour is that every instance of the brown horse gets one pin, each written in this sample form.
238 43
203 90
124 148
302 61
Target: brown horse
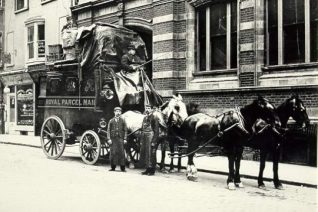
270 141
199 128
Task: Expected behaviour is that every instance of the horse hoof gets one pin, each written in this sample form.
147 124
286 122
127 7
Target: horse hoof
131 166
279 187
191 178
262 186
239 185
171 171
165 171
231 186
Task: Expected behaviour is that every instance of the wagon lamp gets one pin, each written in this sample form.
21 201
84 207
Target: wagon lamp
6 89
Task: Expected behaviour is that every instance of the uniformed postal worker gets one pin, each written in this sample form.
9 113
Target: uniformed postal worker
131 61
149 137
116 136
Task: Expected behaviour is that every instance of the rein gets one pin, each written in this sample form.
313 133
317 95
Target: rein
219 135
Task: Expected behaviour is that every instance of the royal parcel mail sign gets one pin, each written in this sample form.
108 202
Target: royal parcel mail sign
68 102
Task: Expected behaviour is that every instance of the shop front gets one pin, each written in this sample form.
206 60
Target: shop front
19 104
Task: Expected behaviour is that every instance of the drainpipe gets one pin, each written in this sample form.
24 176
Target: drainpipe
1 110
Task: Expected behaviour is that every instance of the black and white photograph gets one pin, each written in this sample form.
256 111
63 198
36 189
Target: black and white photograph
158 105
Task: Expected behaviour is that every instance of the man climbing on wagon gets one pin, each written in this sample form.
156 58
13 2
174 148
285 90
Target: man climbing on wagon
116 136
149 137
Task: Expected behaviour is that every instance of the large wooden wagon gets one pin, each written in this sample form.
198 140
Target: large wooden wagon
76 97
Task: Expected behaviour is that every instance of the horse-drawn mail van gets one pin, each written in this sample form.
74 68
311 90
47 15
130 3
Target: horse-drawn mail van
77 96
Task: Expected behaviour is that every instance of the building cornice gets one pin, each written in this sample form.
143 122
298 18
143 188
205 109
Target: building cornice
198 3
251 89
90 5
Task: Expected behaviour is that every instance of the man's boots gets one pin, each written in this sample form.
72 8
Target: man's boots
151 171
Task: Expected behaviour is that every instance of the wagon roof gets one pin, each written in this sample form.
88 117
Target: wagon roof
106 43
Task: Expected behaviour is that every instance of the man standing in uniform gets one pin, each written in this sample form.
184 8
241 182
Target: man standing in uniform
116 136
149 137
130 61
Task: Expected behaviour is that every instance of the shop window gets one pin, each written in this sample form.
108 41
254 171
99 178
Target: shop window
291 32
217 36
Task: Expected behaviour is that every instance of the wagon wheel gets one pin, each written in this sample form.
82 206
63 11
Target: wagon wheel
53 137
134 150
104 151
90 147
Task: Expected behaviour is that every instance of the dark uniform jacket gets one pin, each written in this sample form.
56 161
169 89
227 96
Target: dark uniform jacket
128 59
151 123
116 129
117 132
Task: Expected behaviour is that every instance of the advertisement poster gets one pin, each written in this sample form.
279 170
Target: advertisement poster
25 105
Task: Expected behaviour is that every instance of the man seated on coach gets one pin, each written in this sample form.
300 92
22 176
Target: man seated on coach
130 62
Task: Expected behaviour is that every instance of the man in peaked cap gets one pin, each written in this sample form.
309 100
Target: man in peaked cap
131 61
116 137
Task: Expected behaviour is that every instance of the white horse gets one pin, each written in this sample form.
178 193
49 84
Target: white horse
133 122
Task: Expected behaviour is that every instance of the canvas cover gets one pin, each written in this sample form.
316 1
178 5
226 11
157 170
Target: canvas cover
102 46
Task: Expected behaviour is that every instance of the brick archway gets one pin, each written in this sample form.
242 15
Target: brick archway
144 28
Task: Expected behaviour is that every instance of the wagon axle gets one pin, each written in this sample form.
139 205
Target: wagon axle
51 136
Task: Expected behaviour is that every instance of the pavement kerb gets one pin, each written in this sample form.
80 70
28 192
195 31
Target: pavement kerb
19 144
200 170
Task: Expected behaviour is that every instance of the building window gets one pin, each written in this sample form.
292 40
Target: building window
31 42
41 40
313 30
291 31
21 4
35 40
217 36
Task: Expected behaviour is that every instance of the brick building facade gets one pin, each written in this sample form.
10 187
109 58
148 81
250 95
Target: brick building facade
223 53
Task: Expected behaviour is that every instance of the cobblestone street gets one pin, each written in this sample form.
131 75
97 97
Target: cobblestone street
31 182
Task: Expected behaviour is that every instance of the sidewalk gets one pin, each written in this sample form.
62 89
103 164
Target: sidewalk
288 173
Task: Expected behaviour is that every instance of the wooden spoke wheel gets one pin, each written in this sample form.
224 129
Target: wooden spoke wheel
104 151
134 150
53 137
90 147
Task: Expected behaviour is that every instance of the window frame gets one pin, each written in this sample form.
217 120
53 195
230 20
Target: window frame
37 57
45 1
208 43
31 42
26 6
280 34
40 55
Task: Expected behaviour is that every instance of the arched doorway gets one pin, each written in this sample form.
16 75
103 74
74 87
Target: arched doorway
143 28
